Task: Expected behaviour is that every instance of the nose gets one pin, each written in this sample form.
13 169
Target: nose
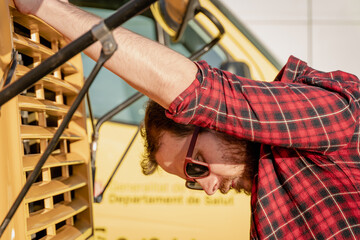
210 184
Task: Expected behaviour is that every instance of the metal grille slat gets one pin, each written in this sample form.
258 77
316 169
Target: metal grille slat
50 82
29 20
37 132
68 68
52 108
39 221
54 187
57 160
31 48
81 230
34 49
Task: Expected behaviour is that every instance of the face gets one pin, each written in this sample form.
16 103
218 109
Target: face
226 168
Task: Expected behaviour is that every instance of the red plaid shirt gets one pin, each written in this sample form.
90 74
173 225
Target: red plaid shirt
308 183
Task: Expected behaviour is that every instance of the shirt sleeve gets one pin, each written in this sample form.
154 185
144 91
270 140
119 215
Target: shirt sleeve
303 108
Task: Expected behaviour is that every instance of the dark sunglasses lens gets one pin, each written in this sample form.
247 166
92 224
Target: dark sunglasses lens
196 170
193 185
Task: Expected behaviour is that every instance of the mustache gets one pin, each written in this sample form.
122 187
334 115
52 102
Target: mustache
226 185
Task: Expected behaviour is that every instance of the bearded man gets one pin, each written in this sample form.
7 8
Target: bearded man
293 143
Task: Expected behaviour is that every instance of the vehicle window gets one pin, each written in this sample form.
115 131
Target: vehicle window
195 38
108 90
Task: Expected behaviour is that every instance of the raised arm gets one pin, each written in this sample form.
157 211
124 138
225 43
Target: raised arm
149 67
304 108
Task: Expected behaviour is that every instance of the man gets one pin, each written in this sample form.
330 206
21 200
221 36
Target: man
293 143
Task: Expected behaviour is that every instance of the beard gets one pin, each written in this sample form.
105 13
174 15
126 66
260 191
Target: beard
239 152
241 185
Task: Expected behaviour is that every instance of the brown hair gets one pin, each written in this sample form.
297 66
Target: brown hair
154 125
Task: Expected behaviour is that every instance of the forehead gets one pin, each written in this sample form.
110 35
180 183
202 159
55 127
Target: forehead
172 152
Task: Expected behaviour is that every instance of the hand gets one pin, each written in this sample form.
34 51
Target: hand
31 6
28 6
98 188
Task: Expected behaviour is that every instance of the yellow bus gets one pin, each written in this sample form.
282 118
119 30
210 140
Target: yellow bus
60 204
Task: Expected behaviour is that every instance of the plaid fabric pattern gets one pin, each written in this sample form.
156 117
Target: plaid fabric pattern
308 183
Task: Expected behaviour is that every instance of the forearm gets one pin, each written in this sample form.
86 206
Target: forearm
149 67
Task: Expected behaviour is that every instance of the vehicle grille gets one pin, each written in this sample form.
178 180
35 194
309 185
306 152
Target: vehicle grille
58 205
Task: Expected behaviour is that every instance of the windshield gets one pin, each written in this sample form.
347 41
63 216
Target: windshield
108 90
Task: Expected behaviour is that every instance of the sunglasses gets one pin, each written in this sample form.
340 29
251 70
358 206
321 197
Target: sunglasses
194 169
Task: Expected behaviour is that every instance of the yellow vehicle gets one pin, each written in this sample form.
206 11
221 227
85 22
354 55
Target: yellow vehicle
60 204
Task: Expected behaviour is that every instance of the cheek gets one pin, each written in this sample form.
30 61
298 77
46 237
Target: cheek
221 163
170 165
227 170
